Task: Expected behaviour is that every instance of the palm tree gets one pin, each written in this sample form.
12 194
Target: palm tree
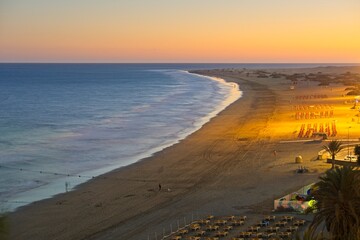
338 202
310 234
333 148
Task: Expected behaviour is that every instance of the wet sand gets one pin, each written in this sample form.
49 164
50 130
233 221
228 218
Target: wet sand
227 167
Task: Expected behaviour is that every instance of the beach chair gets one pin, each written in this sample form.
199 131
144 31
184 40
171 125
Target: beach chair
266 234
210 217
200 233
270 218
236 222
230 218
242 218
182 231
287 218
285 235
195 227
300 222
220 222
227 228
281 223
193 238
255 235
212 227
253 229
244 234
203 221
292 229
271 229
221 234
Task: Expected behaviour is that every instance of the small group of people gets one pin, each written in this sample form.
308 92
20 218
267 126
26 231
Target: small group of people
301 169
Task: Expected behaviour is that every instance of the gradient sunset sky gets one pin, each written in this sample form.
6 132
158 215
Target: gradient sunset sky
180 31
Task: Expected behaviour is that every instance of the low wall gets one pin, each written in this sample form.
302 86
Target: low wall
343 163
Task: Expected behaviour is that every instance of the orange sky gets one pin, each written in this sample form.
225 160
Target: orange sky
180 31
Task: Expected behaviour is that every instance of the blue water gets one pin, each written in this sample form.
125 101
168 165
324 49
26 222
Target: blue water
59 121
87 119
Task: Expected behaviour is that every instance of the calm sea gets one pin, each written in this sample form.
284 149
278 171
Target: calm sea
59 121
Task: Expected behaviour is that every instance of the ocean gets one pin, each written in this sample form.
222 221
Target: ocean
62 121
63 124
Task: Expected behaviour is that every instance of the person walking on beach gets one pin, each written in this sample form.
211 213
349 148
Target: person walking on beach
159 187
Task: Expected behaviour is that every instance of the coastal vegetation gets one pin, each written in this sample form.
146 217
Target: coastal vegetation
357 152
337 196
333 148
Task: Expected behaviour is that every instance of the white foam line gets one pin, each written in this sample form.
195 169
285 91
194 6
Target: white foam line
235 93
57 187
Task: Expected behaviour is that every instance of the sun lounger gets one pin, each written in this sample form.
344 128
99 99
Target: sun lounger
266 235
230 218
269 218
176 238
236 222
281 224
255 235
193 238
292 229
200 233
284 234
211 238
287 218
212 227
195 227
272 229
203 221
182 231
253 229
221 234
220 222
299 222
244 234
227 228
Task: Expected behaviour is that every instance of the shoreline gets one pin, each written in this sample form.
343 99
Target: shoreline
226 167
47 192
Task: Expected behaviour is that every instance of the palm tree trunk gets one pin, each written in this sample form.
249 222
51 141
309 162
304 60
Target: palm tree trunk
333 162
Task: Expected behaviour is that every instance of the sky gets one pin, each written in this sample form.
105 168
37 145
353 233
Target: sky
237 31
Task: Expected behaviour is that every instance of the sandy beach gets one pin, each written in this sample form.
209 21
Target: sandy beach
237 163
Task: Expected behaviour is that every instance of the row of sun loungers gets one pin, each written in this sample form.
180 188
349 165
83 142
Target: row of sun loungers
314 115
226 228
309 130
315 96
316 107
